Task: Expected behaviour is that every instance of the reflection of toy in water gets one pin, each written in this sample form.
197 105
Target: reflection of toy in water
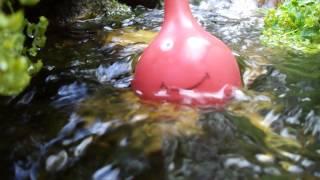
184 63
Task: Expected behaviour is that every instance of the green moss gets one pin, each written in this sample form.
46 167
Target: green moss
295 25
16 67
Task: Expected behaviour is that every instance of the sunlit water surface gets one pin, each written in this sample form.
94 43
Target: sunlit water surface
80 120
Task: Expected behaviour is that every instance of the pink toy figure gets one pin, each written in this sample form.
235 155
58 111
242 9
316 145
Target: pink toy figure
185 64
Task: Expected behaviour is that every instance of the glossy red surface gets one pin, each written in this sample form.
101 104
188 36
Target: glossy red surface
185 64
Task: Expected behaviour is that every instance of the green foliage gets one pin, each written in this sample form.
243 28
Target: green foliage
294 25
37 33
16 67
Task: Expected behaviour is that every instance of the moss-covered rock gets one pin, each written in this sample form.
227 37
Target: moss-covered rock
61 12
105 10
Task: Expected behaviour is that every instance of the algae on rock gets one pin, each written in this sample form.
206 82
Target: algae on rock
101 11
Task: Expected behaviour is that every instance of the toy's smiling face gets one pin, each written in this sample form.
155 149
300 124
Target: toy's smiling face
188 91
186 77
186 68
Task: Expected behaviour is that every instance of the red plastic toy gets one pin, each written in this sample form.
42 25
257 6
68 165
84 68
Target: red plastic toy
185 64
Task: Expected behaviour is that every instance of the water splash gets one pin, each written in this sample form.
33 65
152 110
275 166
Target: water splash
70 94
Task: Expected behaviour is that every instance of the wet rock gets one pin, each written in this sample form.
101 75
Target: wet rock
76 11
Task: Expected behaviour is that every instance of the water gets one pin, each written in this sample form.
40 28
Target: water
80 120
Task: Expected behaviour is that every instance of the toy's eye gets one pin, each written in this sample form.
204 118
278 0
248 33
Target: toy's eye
167 44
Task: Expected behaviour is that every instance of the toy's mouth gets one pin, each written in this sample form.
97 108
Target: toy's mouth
206 77
192 94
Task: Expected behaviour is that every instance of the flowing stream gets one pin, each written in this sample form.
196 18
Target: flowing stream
80 120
